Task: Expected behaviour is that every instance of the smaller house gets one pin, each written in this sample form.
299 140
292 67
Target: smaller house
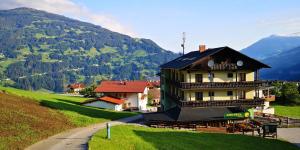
131 95
154 96
75 88
106 102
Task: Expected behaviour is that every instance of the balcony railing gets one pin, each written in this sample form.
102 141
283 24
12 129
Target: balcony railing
222 103
215 85
216 103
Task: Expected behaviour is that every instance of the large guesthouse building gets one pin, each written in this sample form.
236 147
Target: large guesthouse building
208 85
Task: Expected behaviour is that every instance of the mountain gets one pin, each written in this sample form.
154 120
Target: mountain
41 50
272 46
285 66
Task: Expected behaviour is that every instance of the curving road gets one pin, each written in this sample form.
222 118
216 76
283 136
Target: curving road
76 138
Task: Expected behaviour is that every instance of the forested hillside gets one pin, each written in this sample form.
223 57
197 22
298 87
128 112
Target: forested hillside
44 50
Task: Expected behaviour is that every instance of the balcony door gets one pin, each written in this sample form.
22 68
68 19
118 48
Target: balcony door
211 95
199 78
242 94
199 96
242 77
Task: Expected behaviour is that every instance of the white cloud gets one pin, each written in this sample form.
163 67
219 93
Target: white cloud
70 9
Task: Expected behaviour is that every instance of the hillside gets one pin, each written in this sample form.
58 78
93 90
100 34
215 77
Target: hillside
29 116
281 53
271 46
285 66
44 50
23 122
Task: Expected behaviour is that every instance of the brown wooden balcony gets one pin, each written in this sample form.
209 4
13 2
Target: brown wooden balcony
224 85
223 103
216 103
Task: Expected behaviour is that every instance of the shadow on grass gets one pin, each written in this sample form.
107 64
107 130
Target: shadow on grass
67 105
211 141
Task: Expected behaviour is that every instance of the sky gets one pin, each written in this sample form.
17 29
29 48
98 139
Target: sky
214 23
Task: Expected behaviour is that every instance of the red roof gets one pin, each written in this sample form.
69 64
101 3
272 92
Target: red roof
154 84
122 86
111 100
76 85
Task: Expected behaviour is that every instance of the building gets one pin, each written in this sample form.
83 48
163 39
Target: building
132 95
209 85
75 88
107 102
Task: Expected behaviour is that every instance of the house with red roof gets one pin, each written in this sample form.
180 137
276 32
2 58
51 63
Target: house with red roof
131 95
107 102
75 88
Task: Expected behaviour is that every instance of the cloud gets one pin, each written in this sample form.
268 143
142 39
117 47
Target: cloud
70 9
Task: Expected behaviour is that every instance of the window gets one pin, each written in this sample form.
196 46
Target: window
211 75
229 93
211 93
199 96
199 78
230 75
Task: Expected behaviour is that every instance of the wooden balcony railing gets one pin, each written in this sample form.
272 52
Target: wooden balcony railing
215 85
222 103
216 103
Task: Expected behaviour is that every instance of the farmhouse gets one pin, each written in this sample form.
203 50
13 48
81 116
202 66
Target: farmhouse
209 86
121 95
75 88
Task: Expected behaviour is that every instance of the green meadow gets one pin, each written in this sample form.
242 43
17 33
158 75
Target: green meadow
70 106
128 137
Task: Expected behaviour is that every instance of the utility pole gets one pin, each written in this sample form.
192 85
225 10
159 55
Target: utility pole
183 42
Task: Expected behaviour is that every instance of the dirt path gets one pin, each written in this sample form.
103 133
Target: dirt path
76 138
291 135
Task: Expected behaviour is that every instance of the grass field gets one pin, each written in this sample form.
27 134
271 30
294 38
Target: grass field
23 122
35 122
143 138
288 111
70 106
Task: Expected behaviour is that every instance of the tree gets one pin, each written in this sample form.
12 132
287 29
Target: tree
89 91
290 93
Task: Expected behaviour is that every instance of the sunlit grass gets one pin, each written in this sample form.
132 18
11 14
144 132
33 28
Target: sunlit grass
128 137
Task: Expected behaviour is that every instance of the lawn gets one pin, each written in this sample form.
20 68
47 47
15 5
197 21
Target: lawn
288 111
70 106
128 137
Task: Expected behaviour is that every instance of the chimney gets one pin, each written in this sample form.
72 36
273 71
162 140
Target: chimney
202 48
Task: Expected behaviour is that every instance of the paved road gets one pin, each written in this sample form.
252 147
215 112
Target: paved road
291 135
76 138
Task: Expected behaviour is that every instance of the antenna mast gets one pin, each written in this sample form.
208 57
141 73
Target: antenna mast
183 42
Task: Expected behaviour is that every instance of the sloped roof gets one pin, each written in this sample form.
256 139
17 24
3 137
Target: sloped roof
122 86
108 99
111 100
191 57
76 85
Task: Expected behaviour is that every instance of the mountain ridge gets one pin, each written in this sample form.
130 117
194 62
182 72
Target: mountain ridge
36 44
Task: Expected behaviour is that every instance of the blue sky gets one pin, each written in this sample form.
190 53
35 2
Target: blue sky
234 23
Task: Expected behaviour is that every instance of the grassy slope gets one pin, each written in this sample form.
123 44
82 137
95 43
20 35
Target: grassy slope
133 137
23 122
70 106
289 111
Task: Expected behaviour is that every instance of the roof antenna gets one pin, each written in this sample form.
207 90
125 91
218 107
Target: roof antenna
183 42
